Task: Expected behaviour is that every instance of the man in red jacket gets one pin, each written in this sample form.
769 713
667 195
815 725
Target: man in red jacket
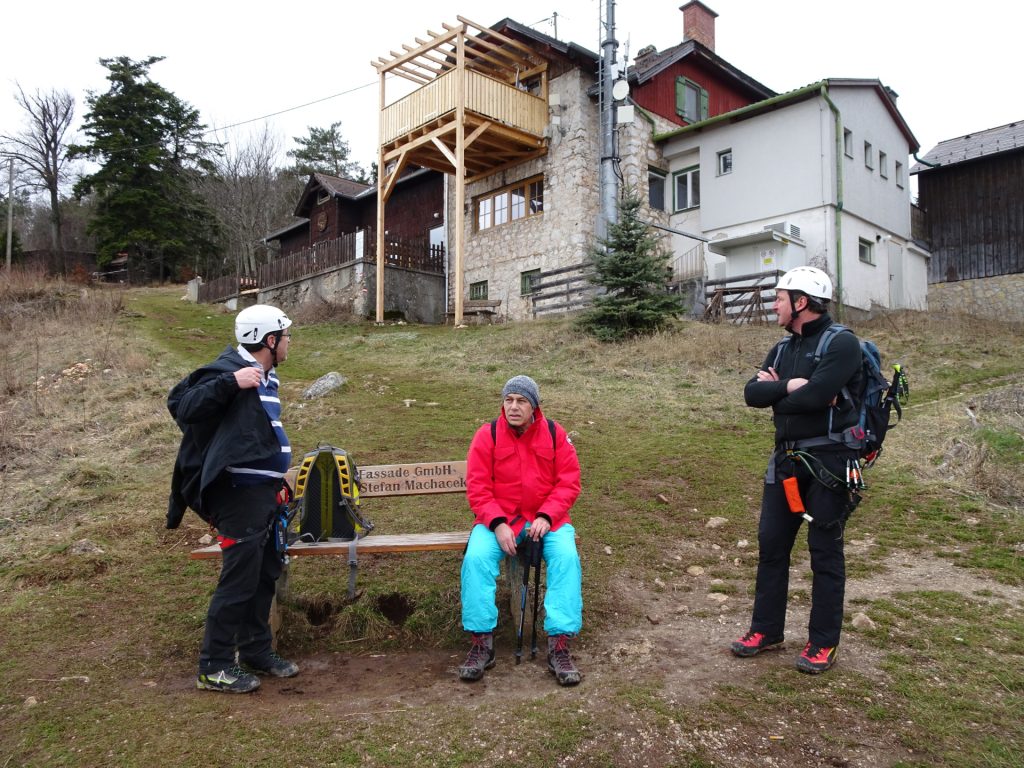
522 477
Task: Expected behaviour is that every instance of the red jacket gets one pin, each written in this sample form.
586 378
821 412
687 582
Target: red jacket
519 478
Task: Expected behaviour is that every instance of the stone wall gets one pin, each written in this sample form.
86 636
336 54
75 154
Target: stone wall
417 296
998 298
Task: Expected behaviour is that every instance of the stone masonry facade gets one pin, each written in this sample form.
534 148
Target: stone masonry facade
996 298
560 236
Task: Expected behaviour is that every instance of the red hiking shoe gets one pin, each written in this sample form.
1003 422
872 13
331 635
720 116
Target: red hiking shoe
815 660
753 643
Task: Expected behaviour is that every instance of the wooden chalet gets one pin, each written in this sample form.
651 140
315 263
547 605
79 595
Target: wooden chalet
480 105
331 207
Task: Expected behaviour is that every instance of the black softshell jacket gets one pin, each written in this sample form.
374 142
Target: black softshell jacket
222 425
805 413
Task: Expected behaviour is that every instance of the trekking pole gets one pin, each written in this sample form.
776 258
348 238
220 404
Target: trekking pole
536 548
524 561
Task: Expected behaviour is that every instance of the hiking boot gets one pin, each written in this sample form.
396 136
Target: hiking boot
271 664
560 661
480 657
753 643
815 660
231 680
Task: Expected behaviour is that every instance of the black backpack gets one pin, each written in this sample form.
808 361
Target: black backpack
876 400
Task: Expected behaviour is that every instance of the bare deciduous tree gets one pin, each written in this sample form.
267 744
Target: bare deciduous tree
252 197
42 148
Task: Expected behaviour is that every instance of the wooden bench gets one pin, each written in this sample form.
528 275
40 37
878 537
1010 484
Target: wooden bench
384 480
392 480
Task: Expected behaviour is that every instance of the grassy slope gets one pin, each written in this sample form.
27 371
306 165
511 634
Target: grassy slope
91 458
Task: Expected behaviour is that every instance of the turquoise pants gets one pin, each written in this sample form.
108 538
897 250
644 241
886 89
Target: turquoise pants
563 576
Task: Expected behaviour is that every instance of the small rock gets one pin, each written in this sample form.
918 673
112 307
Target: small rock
607 550
85 547
716 522
31 701
971 521
861 621
716 582
742 543
662 498
409 401
659 583
326 383
717 597
654 619
206 539
695 570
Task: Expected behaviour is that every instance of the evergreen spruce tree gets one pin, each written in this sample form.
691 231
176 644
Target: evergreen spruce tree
633 268
151 154
325 151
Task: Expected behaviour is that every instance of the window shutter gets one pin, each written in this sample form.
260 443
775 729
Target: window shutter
681 96
703 104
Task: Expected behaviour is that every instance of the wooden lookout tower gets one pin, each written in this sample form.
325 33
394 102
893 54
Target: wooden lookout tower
480 106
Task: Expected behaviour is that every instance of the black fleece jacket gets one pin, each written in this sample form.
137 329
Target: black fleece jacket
222 425
804 413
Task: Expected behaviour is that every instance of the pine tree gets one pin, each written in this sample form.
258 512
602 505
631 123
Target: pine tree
325 151
152 156
633 268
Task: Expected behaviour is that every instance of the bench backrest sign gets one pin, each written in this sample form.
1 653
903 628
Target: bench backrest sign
410 479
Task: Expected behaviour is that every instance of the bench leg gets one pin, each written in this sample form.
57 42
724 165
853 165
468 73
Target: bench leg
280 595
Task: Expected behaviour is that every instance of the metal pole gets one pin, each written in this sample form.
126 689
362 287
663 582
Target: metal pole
10 210
609 181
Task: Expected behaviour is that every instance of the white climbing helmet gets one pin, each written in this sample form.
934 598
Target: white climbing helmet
809 280
253 323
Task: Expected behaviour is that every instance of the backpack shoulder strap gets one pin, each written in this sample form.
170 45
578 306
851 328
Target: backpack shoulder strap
494 431
779 348
826 339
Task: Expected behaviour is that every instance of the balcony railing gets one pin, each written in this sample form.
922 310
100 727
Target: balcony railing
484 96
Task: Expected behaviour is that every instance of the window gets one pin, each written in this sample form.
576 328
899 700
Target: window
687 188
322 196
526 280
724 162
869 155
656 189
691 101
866 251
519 201
848 142
899 174
883 165
478 291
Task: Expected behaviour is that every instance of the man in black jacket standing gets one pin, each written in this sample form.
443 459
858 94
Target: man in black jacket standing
230 468
813 413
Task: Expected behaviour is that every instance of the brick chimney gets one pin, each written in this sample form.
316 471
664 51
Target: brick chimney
699 23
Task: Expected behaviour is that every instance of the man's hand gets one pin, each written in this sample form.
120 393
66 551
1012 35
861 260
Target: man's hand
770 375
506 539
794 384
538 528
248 378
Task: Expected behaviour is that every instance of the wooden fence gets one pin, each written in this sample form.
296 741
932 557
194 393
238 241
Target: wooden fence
563 290
406 253
223 288
742 298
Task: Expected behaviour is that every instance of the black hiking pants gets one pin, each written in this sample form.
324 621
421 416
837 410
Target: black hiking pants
777 533
239 613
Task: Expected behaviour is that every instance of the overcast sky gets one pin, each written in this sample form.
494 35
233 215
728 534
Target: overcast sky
953 65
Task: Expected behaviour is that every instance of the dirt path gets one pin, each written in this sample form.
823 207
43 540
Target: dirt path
678 646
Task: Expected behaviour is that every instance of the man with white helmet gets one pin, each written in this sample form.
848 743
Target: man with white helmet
806 395
230 468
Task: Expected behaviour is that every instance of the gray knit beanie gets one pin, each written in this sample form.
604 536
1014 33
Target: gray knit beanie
522 385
